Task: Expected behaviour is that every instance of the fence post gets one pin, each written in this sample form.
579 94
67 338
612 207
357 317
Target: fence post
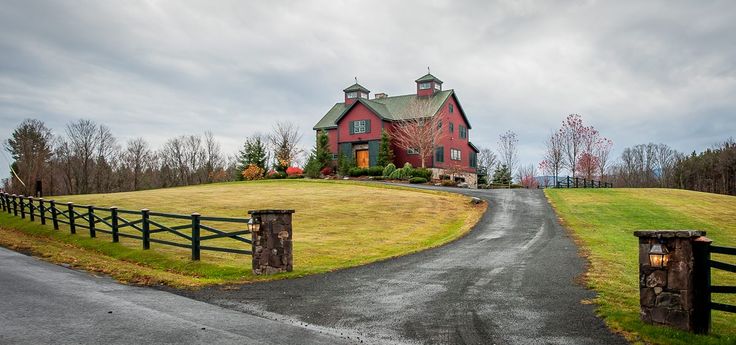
2 198
701 288
195 236
568 182
15 205
42 211
145 233
54 213
31 214
272 247
72 226
22 207
114 223
91 221
666 291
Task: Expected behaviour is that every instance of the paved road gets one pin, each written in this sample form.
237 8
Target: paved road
43 303
510 281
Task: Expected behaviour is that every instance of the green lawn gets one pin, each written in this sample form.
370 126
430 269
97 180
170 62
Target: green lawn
603 221
337 224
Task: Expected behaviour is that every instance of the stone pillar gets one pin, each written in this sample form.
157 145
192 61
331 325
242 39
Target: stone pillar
272 249
667 294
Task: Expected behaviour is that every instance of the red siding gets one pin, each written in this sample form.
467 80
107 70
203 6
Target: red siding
359 112
453 140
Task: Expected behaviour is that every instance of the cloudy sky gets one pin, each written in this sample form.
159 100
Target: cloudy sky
639 71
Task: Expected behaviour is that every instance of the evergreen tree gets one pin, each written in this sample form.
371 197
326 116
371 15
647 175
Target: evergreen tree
322 152
254 152
385 153
502 175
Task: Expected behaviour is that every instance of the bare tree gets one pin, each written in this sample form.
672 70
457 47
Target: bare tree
603 152
137 155
553 155
508 151
487 161
213 160
284 140
573 133
421 131
527 176
107 149
83 146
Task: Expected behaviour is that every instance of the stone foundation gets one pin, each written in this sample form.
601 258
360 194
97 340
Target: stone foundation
470 178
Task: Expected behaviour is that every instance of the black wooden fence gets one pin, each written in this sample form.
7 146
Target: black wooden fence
576 182
719 288
190 231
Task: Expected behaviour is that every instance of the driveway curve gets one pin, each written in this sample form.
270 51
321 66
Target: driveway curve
509 281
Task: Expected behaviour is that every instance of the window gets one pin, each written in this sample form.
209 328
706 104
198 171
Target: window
463 132
439 154
363 95
360 126
452 127
424 86
473 159
352 95
452 108
439 124
455 154
437 86
412 151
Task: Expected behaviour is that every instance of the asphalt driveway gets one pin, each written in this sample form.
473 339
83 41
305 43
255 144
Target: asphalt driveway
510 281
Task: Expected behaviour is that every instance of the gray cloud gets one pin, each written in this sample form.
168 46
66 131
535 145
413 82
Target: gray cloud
638 71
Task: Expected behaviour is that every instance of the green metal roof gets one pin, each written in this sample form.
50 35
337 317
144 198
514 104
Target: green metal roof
389 108
429 77
356 87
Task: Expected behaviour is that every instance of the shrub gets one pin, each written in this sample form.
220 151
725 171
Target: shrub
294 171
273 174
378 178
449 183
311 169
344 163
291 177
252 172
407 165
327 171
399 174
389 169
375 171
417 180
356 172
422 172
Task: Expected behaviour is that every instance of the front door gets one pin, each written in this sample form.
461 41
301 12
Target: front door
361 158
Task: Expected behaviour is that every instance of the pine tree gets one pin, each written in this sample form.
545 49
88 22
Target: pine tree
385 153
502 175
254 152
322 150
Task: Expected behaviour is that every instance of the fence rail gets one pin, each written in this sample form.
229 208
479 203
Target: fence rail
713 264
138 225
576 182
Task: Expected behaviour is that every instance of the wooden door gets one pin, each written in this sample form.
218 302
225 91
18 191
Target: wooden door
361 158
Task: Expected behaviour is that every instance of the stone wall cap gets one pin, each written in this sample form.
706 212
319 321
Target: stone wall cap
669 233
271 211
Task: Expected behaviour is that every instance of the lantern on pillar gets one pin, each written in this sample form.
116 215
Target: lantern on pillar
659 256
254 225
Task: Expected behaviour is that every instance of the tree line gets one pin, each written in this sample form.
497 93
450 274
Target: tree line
658 165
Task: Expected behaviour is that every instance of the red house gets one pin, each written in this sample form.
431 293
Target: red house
354 128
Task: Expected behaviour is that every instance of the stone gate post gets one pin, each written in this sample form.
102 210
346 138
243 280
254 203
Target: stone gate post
667 295
272 248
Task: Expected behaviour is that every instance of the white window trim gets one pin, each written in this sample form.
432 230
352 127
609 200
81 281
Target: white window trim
425 86
437 86
360 127
456 155
352 95
412 151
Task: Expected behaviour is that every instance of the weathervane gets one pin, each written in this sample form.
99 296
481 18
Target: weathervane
356 80
428 70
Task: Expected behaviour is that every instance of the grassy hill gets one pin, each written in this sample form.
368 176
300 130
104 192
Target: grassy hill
603 221
337 224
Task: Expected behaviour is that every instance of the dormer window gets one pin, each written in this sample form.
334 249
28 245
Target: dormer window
425 86
363 95
438 86
352 95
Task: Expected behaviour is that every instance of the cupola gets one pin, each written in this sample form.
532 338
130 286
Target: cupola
355 91
428 85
